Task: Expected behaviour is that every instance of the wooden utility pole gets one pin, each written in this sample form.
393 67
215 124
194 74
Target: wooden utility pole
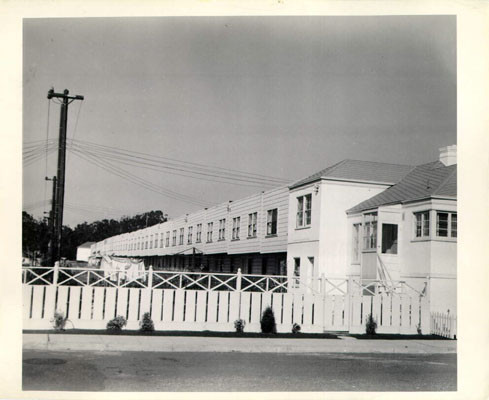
60 186
52 234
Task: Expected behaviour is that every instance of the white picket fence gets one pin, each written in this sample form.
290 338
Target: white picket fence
191 301
443 324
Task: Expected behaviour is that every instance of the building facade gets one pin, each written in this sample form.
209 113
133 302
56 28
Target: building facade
353 220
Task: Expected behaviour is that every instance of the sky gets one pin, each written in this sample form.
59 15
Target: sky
281 97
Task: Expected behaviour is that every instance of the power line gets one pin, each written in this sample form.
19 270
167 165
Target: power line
171 162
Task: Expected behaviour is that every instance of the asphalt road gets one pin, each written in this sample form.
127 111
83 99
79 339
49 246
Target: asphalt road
248 372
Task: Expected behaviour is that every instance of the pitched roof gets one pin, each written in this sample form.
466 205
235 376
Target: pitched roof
364 171
427 180
86 244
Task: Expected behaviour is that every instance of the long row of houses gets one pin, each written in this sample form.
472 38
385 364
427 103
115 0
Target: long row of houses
356 220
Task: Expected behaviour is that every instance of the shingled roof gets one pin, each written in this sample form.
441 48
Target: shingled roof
362 171
427 180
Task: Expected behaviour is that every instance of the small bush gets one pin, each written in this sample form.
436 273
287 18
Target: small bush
146 324
116 324
296 328
239 325
59 321
267 322
371 325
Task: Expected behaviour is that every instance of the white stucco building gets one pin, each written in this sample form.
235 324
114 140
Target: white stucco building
356 219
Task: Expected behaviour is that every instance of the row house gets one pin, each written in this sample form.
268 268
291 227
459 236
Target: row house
357 220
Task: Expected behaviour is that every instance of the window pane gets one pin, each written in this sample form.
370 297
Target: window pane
426 224
442 224
454 225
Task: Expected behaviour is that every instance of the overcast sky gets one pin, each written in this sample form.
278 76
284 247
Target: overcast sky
277 96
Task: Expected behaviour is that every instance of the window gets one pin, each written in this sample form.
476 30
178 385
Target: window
151 242
161 240
198 238
297 271
446 224
252 224
422 227
209 231
180 238
146 243
167 239
174 238
356 247
222 229
156 240
304 211
389 239
272 221
370 232
236 224
189 236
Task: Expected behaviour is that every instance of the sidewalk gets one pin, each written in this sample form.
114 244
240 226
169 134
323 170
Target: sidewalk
44 341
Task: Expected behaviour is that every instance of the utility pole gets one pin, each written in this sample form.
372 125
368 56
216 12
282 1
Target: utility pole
52 233
60 186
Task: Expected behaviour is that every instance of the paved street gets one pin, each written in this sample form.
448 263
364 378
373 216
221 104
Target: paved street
164 371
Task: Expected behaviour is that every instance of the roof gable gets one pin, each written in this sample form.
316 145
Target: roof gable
356 170
427 180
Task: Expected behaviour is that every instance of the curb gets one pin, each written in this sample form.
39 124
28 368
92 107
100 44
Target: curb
62 342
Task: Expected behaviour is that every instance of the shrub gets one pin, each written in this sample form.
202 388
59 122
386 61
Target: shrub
146 324
59 321
116 324
267 322
239 325
371 325
296 328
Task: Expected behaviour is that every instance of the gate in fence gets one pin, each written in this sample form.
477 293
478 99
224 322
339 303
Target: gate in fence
213 301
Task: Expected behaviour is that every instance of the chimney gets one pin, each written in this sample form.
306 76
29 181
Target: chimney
448 155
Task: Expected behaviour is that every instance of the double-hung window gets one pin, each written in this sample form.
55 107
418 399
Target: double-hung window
222 229
180 239
161 239
446 224
236 223
272 221
189 235
370 232
167 239
304 204
422 224
174 238
156 240
209 231
252 218
198 237
151 242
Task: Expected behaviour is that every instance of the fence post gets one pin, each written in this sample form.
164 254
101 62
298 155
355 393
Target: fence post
55 273
150 277
323 284
238 280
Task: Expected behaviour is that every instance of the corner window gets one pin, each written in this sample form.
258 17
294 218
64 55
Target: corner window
422 224
272 221
446 224
304 211
370 232
389 239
